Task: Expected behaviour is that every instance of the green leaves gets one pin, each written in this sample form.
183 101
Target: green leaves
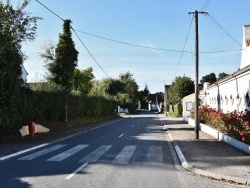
62 67
181 87
16 26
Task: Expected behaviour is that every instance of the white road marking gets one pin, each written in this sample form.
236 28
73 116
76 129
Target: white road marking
42 152
67 153
125 155
23 151
96 154
121 135
154 155
77 170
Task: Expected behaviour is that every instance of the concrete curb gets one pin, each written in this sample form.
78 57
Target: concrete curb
52 142
222 137
212 175
205 173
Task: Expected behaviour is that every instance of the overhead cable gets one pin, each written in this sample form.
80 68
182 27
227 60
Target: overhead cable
50 10
183 47
205 5
89 52
77 37
223 30
149 47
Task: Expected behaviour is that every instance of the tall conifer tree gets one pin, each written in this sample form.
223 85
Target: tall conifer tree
62 68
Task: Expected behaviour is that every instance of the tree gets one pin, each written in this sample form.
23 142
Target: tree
222 75
62 68
211 78
142 97
130 83
48 53
83 80
180 87
16 26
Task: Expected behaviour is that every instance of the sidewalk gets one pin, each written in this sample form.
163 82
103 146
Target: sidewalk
206 156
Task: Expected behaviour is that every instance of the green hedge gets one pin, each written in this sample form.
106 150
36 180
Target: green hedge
44 105
175 110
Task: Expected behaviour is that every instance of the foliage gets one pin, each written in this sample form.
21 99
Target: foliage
124 90
211 78
107 87
222 75
142 97
175 110
83 80
180 87
47 105
236 124
48 53
62 67
16 26
45 86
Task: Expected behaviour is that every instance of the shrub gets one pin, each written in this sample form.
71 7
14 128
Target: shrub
236 124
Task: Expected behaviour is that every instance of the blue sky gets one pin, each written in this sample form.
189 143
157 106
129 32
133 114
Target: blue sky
155 23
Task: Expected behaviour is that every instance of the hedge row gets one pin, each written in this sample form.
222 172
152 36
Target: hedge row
175 110
44 105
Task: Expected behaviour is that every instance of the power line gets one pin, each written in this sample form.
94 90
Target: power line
77 37
90 53
50 10
183 47
130 44
205 5
148 47
224 30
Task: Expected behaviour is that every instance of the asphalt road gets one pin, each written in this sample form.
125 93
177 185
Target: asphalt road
132 152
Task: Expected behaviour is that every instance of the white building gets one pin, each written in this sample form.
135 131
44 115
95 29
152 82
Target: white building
232 92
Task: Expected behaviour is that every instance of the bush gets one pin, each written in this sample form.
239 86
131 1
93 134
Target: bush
175 110
50 105
236 124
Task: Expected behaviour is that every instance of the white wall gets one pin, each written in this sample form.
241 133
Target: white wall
230 93
245 57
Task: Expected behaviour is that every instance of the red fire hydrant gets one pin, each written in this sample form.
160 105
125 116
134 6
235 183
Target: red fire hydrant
32 126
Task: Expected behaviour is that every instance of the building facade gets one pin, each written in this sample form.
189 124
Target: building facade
232 93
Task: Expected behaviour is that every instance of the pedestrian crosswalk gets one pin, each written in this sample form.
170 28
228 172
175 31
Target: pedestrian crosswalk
121 155
124 156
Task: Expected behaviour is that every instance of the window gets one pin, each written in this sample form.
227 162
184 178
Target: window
189 106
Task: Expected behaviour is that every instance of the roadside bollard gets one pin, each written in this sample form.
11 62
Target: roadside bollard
31 126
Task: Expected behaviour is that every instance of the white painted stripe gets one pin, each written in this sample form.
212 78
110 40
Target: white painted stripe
125 155
42 152
67 153
23 151
96 154
121 135
77 170
180 155
154 155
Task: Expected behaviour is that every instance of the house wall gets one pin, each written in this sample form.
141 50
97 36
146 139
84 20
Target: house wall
231 93
245 57
188 103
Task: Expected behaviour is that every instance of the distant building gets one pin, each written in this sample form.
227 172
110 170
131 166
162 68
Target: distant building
24 74
155 101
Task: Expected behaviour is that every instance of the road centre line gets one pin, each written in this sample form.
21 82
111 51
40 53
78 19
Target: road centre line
121 135
77 170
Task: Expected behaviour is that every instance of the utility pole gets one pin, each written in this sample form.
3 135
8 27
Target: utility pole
197 127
